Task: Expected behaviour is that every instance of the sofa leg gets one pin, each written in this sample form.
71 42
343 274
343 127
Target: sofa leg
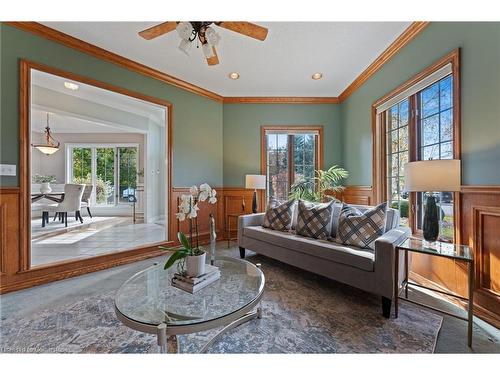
242 252
386 307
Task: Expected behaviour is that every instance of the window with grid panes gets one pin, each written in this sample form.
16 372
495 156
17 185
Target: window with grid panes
291 155
422 122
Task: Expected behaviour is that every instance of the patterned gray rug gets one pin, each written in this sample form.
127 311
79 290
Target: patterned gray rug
303 313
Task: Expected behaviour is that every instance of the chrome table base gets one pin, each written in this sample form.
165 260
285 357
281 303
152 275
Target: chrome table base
170 343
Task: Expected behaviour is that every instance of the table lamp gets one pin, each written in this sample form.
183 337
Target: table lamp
255 181
431 176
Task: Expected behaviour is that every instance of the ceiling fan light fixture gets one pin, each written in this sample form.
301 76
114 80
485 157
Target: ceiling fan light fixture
207 50
185 30
317 76
234 75
184 46
211 36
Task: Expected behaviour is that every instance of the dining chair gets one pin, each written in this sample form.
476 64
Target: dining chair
87 193
71 203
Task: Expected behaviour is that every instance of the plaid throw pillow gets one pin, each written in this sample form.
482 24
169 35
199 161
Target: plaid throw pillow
279 217
361 229
314 220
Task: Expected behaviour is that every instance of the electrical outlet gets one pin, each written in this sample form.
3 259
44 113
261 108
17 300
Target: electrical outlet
7 169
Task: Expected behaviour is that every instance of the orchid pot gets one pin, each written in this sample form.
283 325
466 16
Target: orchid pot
195 265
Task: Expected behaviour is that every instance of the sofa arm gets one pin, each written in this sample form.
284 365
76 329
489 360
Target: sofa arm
385 249
249 221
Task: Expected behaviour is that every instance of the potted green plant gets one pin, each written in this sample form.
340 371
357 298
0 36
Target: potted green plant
190 257
320 187
44 182
190 260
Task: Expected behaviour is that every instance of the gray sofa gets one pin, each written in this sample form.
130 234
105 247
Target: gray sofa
365 269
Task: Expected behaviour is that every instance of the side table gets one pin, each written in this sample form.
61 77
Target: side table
441 249
229 230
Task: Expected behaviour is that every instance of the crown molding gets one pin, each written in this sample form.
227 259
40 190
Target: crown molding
93 50
69 41
280 100
401 41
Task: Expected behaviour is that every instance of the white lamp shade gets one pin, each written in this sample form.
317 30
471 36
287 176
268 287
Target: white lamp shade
432 175
255 181
46 149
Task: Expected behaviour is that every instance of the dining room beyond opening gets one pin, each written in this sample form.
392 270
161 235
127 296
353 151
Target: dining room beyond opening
98 171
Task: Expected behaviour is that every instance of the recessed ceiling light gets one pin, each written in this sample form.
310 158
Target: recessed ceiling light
71 86
234 75
317 76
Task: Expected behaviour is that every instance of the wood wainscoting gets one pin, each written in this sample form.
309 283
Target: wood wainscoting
357 195
230 201
480 229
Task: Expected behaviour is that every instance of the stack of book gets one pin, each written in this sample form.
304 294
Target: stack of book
193 284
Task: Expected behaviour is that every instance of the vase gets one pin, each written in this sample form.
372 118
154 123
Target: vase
195 265
45 187
431 220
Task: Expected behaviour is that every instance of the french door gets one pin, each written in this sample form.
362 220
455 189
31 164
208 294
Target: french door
111 169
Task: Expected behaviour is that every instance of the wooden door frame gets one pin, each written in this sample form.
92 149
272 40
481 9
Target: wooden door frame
26 275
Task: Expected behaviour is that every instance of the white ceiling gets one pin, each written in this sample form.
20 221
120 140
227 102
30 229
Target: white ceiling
282 65
84 118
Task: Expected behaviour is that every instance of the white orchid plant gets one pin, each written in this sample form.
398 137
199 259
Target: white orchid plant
189 202
188 209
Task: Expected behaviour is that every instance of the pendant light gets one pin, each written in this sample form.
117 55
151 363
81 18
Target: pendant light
51 146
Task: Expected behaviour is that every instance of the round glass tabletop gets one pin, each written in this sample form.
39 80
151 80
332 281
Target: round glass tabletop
149 298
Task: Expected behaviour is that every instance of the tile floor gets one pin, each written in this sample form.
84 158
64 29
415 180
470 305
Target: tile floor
103 235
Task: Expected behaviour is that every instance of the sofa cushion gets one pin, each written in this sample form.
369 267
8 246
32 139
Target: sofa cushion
348 255
361 229
392 216
275 202
337 207
314 220
279 217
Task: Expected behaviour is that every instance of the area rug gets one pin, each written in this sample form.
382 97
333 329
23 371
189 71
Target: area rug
302 313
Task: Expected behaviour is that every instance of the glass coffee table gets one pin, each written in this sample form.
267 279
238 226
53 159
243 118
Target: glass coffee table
147 302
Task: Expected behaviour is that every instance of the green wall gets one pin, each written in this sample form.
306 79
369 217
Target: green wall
221 143
197 121
242 124
480 98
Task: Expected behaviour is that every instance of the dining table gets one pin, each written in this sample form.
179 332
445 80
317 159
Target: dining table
53 196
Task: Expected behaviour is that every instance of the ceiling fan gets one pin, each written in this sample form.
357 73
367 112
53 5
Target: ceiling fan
204 31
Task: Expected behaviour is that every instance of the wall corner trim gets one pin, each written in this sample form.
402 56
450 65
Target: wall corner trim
281 100
105 55
401 41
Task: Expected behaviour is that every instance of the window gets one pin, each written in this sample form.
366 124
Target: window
416 122
111 169
290 154
397 156
435 141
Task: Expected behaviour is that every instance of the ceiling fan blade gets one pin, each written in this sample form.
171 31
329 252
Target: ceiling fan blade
158 30
246 28
214 60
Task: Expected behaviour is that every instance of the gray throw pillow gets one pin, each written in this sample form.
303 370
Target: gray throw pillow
279 217
314 220
361 229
